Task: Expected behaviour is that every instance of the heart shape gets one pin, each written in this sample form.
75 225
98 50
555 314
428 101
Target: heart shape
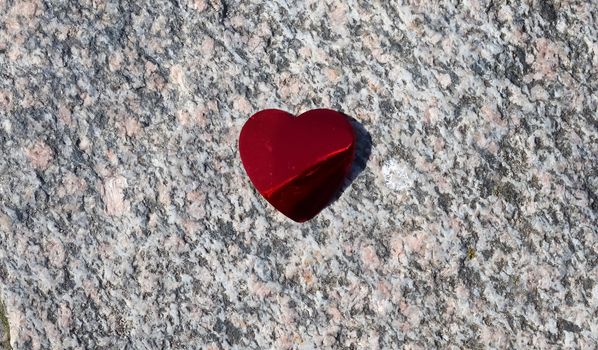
297 163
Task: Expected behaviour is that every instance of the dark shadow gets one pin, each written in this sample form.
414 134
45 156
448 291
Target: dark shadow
363 150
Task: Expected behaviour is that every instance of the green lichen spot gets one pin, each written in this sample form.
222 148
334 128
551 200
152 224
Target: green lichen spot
470 253
4 329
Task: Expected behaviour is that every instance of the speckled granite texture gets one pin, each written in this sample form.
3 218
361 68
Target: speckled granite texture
127 221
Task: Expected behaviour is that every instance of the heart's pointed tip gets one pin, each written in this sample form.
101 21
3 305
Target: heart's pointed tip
300 220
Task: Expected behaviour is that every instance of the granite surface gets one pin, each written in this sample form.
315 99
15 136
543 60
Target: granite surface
127 221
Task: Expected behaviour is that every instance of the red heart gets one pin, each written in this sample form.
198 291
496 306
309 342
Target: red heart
297 163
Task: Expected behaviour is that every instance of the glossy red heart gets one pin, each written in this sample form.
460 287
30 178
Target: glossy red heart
297 163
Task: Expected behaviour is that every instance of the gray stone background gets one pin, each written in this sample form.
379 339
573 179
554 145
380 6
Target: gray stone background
127 221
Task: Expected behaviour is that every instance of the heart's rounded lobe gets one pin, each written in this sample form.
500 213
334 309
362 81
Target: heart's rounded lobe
297 163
